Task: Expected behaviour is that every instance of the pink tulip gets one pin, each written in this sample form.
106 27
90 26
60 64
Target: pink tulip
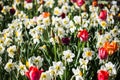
103 15
103 54
80 2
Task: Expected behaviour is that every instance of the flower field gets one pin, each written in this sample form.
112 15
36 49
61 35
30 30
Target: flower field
59 40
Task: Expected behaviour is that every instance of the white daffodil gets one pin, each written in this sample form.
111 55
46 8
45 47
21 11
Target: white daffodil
65 8
46 21
114 9
28 5
110 19
1 49
65 21
111 68
72 27
83 63
68 56
104 24
77 20
115 31
9 66
52 72
37 61
45 76
78 74
87 53
21 68
84 15
11 51
108 36
59 68
49 3
57 11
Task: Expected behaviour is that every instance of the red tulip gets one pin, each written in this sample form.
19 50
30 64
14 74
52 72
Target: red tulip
103 15
103 75
83 35
80 2
34 73
103 54
28 1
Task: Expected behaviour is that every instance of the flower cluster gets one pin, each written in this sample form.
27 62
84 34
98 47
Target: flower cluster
59 40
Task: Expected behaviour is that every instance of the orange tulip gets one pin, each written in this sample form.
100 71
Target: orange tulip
94 3
45 14
110 47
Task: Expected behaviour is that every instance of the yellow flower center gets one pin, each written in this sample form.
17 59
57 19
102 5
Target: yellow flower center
57 67
68 56
103 24
43 76
88 53
80 73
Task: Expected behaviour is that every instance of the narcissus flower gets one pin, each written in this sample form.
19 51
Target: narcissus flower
83 35
103 15
103 75
103 54
80 2
34 73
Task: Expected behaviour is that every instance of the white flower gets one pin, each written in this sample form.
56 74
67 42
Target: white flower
1 49
68 56
103 24
110 19
21 68
36 61
72 26
108 36
83 63
115 31
28 5
87 53
45 76
57 11
61 32
65 21
52 71
84 15
114 9
10 66
111 68
65 8
78 74
85 23
40 8
59 68
46 21
77 19
11 51
49 3
7 42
